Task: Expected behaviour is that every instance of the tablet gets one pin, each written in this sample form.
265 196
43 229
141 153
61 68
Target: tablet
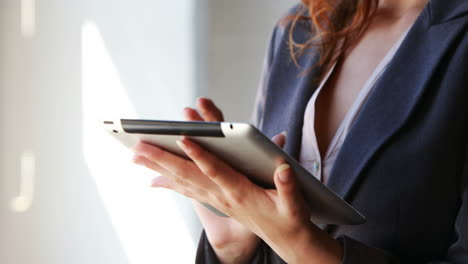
247 150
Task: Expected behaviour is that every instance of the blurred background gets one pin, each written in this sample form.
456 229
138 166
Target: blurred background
68 192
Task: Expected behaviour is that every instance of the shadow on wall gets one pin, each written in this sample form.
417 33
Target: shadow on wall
81 56
40 113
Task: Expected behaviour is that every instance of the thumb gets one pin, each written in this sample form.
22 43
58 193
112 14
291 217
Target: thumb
288 191
280 139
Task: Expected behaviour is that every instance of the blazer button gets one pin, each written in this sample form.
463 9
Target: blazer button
315 167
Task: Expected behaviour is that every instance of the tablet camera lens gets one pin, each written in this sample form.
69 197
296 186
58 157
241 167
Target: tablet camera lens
232 127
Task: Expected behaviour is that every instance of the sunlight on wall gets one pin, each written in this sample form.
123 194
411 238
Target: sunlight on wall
28 18
22 203
146 221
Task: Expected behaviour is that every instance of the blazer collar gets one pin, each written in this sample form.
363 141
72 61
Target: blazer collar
395 96
445 10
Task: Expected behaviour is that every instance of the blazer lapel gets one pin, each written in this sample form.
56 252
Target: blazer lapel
290 91
394 98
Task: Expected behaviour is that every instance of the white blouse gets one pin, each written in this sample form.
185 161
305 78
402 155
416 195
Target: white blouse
309 155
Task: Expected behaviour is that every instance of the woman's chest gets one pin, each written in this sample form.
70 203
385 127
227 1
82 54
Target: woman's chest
355 72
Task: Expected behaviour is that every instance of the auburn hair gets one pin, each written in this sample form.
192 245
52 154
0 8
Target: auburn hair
336 26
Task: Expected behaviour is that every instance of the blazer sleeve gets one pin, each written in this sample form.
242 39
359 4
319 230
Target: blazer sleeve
457 253
260 100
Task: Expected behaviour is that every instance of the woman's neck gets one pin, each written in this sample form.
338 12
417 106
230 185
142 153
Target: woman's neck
400 7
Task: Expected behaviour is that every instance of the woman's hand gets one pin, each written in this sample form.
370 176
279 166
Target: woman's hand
231 241
280 217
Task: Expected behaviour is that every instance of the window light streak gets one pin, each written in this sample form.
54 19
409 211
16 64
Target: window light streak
28 18
146 220
24 200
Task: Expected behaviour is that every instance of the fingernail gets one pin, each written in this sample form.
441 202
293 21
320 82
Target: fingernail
182 145
284 133
155 182
283 176
136 160
136 148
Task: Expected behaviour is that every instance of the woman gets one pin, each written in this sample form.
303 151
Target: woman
374 106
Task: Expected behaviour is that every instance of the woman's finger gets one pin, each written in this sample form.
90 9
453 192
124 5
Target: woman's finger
191 114
168 183
141 160
209 111
288 191
217 170
178 167
166 179
280 139
162 181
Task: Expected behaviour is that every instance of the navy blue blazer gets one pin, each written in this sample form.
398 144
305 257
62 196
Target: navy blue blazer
404 162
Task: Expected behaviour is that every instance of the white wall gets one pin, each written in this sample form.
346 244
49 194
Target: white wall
40 111
89 59
239 32
94 58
